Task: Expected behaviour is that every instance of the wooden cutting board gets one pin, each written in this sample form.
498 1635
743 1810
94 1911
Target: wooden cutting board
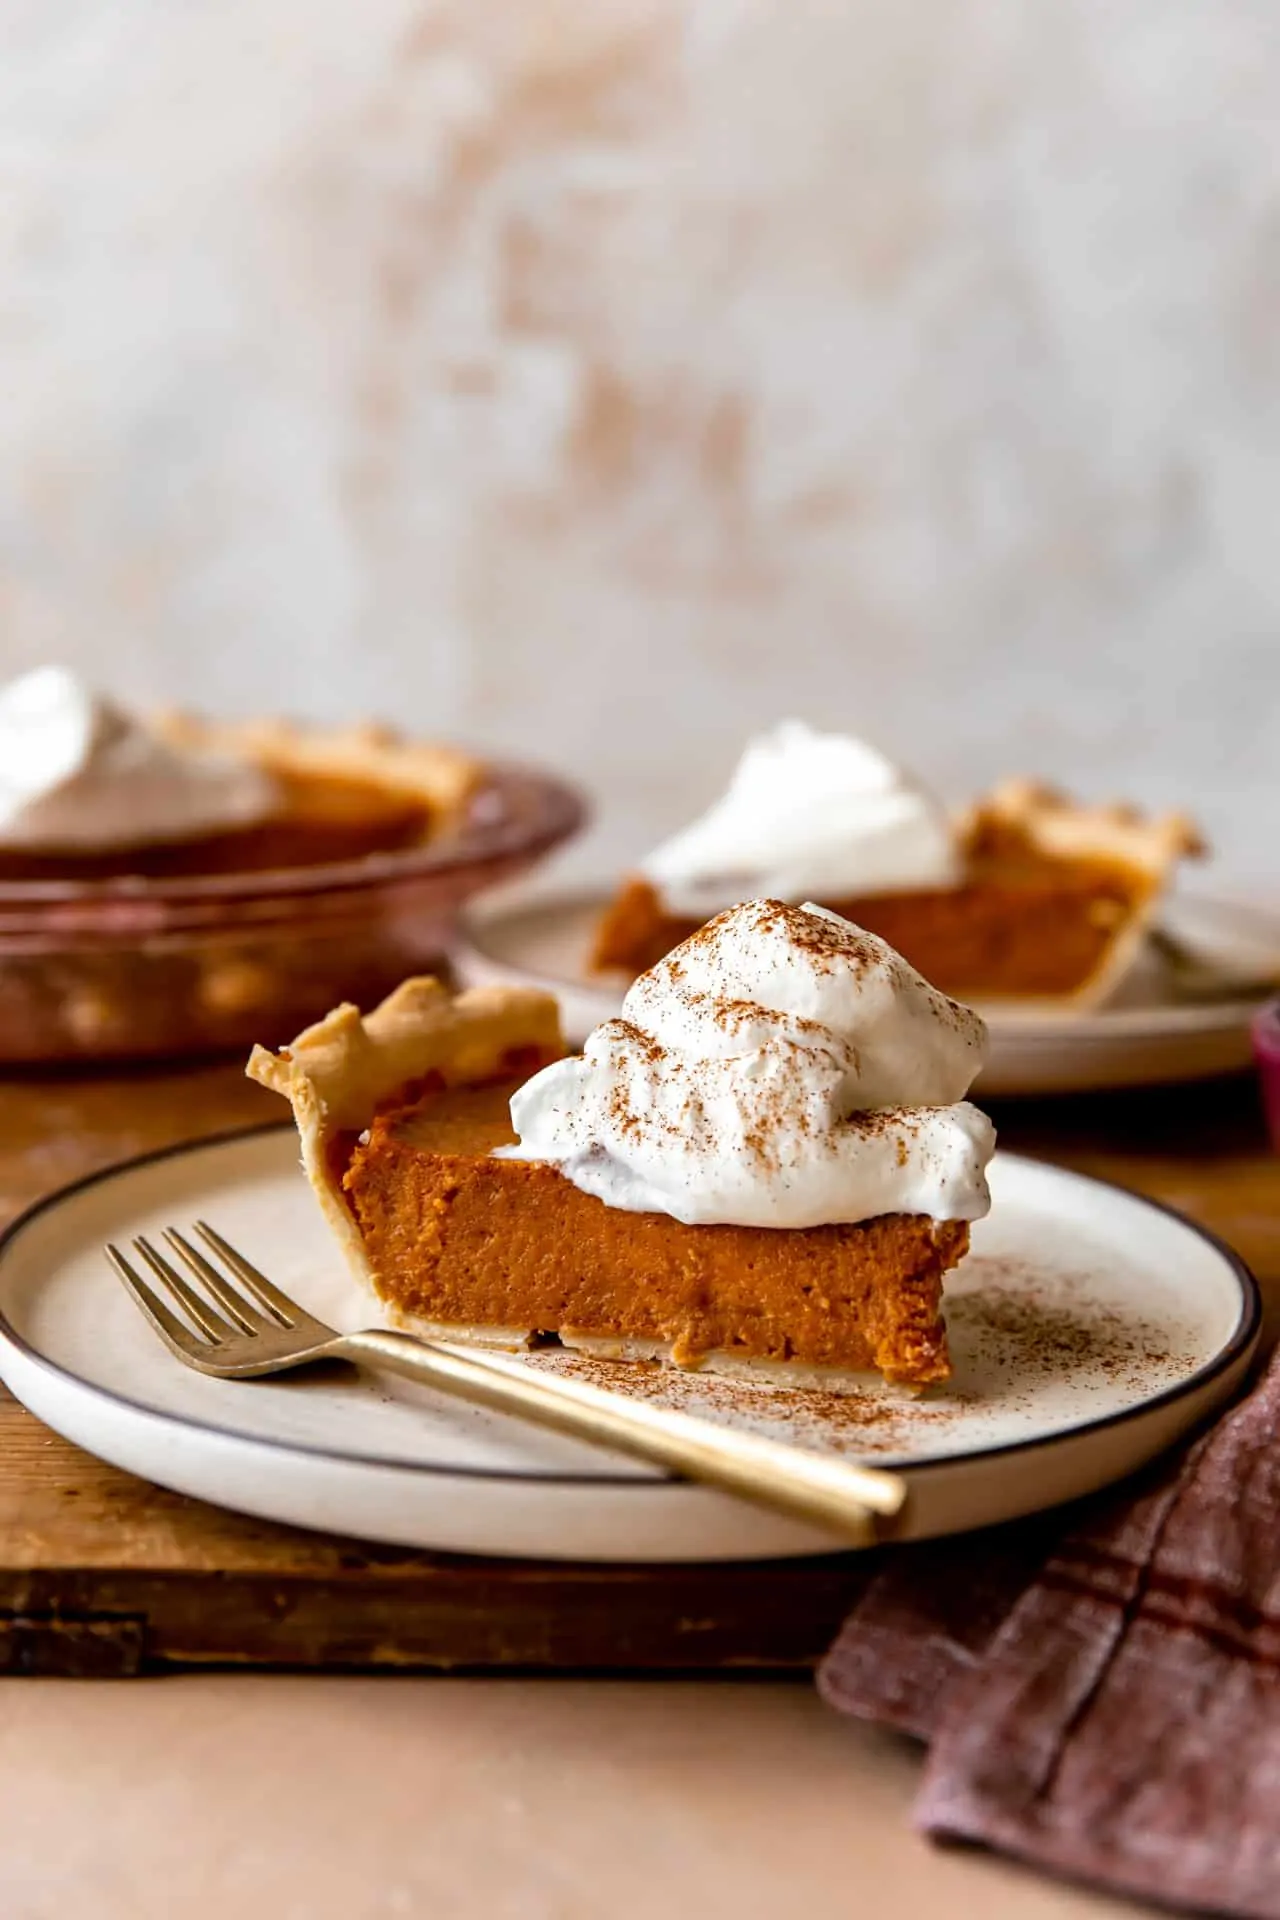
101 1573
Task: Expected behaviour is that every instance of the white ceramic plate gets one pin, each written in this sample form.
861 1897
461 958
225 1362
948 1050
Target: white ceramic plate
1164 1027
1089 1330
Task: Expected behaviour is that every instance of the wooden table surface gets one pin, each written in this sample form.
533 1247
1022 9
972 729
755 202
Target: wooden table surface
273 1795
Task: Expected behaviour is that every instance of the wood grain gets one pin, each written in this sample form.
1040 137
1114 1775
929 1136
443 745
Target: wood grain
101 1573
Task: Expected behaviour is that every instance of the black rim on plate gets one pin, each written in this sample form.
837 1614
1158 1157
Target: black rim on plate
1239 1344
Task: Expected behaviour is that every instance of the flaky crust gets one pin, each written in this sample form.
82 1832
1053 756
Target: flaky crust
337 1074
444 777
1049 822
1054 824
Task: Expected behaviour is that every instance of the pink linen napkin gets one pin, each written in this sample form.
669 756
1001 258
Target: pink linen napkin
1101 1699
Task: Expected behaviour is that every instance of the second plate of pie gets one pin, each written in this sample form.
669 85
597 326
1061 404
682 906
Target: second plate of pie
1056 918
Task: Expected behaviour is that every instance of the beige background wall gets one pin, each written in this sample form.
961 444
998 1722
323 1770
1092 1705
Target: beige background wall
607 379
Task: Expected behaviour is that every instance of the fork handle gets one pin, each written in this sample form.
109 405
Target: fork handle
824 1491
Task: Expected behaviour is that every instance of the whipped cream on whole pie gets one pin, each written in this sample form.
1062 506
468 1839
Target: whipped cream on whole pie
807 814
781 1068
79 772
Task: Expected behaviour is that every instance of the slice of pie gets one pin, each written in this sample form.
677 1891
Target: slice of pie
400 1112
1052 902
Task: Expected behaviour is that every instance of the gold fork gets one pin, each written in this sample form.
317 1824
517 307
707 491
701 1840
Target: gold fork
249 1330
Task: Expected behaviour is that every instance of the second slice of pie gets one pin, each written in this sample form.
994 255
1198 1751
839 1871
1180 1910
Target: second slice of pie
1026 898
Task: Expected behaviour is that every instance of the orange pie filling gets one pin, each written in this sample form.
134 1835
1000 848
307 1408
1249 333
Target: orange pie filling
459 1240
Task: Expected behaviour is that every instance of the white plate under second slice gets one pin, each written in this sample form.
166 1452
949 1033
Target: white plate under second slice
1089 1329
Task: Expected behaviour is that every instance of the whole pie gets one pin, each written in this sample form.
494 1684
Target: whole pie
1052 902
400 1112
335 794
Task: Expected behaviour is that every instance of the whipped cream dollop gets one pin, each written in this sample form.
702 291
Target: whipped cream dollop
79 773
781 1068
805 815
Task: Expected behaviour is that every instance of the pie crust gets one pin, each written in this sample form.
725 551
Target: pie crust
339 1072
442 778
1027 817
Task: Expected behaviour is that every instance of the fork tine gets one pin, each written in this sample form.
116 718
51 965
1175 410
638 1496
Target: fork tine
276 1303
211 1324
172 1330
245 1315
